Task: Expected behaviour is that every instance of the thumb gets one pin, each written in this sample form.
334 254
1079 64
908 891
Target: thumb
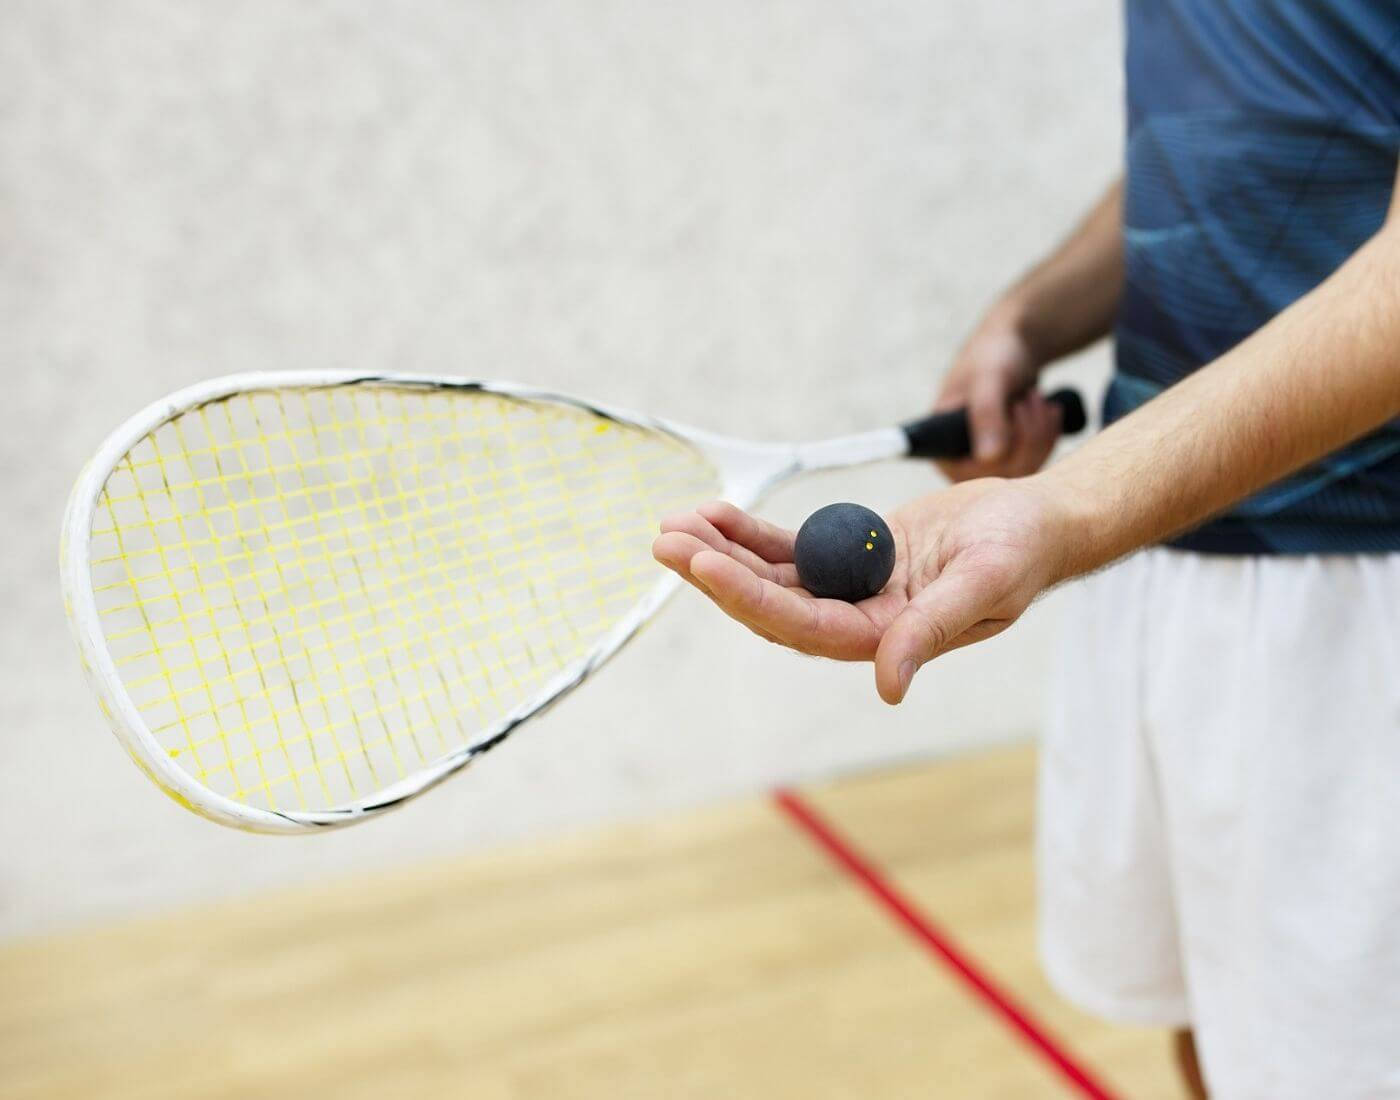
986 414
927 626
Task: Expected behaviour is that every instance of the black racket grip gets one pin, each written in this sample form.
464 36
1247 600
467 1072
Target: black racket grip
947 435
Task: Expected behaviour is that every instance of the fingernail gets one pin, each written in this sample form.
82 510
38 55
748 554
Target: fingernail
988 447
906 674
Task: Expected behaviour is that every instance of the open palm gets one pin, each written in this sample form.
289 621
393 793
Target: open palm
968 561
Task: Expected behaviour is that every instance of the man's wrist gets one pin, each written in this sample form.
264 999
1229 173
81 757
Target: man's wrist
1003 326
1030 323
1079 523
1009 315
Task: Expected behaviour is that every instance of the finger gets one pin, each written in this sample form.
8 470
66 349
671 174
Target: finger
767 540
1026 440
978 632
1043 417
961 469
824 628
1037 427
942 612
986 414
954 393
687 521
675 549
1023 442
1054 412
699 527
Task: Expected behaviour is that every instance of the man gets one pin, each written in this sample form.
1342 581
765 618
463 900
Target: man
1219 832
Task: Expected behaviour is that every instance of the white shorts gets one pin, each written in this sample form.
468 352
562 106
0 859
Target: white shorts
1219 830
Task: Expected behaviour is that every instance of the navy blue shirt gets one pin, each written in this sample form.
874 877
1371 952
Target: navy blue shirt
1262 143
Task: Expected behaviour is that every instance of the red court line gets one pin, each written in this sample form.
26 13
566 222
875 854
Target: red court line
902 909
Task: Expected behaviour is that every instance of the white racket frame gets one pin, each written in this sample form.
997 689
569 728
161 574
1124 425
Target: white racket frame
747 470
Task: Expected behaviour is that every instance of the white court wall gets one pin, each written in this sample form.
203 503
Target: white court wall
774 219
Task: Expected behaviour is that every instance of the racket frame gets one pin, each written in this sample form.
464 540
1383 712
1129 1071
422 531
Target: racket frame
747 471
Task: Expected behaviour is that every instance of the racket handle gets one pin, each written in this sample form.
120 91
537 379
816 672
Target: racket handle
948 435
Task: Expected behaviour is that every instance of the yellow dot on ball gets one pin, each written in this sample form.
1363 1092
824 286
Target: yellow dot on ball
870 546
873 535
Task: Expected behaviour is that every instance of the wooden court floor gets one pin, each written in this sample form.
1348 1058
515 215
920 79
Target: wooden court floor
711 954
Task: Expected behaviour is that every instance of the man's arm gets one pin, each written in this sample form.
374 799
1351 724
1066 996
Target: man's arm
1069 300
1065 303
1323 372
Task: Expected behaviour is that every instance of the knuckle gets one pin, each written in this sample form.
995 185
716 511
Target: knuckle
756 601
931 634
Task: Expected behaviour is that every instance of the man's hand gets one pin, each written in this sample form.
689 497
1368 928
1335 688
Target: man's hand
1065 303
1013 427
968 561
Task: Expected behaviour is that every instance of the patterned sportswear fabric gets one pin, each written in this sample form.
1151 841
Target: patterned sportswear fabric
1261 152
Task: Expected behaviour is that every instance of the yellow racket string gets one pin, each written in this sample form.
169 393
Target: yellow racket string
312 593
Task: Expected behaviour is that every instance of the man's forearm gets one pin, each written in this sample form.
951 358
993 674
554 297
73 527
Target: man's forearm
1068 300
1322 373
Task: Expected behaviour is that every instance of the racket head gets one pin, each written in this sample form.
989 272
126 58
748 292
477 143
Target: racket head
304 598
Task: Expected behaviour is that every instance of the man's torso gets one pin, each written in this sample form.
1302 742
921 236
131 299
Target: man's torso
1261 152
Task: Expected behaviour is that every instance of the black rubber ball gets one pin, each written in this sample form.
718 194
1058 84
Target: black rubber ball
844 552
